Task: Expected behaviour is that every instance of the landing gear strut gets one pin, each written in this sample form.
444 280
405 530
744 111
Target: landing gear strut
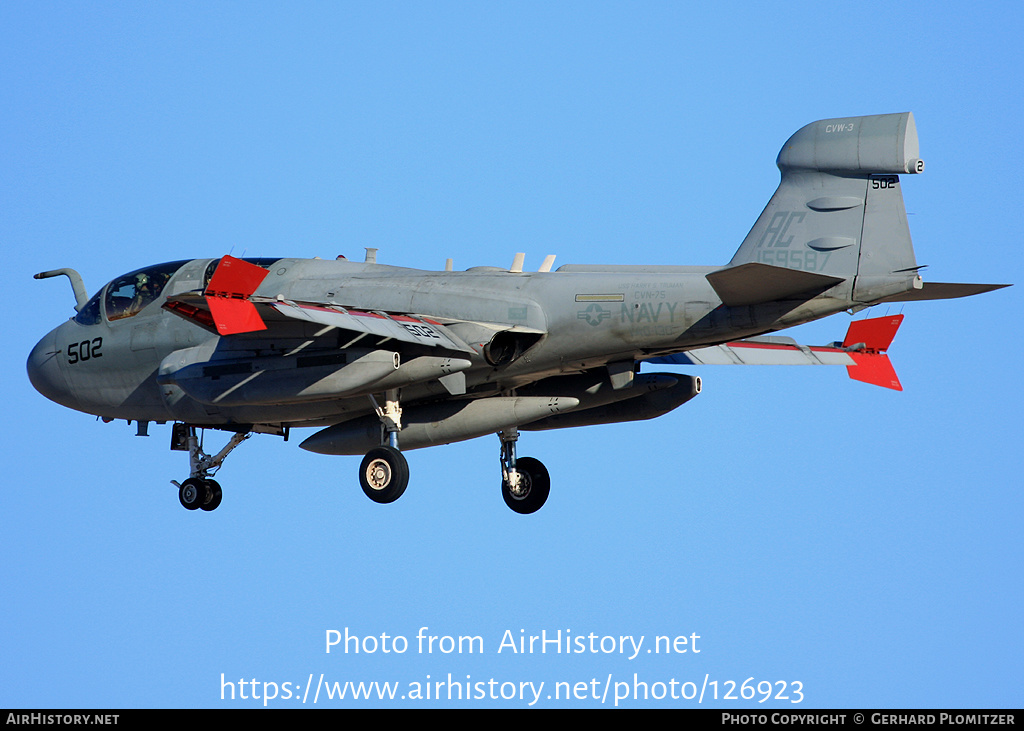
525 483
199 490
384 471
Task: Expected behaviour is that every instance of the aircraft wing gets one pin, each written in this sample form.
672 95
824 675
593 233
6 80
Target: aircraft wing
229 307
405 327
862 352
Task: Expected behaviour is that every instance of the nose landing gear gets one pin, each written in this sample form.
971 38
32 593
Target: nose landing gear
199 491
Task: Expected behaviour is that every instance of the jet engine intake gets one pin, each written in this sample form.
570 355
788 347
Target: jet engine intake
506 346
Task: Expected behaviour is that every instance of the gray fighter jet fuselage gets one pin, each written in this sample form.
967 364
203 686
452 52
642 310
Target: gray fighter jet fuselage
385 358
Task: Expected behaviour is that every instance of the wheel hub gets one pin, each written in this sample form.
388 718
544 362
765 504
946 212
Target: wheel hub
378 474
518 484
191 494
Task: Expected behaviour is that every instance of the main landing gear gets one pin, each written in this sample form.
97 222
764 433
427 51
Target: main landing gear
384 471
199 491
384 474
525 483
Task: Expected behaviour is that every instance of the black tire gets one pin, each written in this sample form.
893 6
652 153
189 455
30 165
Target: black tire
384 474
192 493
213 495
537 486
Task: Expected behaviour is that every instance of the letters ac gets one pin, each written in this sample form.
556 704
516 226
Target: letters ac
379 359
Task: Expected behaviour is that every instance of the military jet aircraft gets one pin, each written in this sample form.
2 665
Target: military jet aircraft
383 358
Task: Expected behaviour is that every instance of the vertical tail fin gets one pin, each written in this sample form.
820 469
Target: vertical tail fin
838 211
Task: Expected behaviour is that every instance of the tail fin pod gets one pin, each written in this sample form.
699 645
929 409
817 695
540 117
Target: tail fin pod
877 144
838 211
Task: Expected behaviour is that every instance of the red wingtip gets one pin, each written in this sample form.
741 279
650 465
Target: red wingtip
876 333
875 336
232 316
874 368
228 292
234 277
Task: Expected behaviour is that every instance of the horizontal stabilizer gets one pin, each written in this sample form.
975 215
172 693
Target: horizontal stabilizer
862 352
753 283
942 291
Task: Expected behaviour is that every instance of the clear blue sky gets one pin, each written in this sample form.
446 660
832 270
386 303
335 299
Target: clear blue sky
807 527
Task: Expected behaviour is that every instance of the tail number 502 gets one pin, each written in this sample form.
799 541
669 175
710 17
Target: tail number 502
85 350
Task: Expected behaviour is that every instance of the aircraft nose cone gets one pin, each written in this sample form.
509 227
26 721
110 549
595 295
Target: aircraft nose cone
44 370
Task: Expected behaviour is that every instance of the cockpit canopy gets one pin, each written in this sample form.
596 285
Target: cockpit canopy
127 295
